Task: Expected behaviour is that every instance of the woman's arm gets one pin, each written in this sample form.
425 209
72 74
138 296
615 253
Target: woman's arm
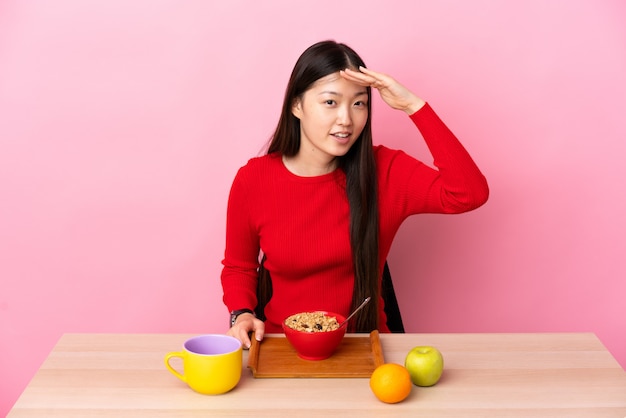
457 185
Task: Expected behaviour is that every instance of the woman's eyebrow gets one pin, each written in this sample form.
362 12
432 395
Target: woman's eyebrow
334 93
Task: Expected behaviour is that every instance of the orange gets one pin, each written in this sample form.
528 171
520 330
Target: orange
391 383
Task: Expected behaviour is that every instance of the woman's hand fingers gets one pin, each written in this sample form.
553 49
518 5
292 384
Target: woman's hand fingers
259 329
363 78
246 324
241 334
392 92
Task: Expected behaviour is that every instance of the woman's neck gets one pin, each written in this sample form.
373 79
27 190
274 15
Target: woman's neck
307 168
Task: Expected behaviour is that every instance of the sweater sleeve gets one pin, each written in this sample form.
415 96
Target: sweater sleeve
239 274
455 186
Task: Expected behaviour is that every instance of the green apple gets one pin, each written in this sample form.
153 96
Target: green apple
425 365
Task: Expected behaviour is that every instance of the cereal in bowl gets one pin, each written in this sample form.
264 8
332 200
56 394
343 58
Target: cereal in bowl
312 322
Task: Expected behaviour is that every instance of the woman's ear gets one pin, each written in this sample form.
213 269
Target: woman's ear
296 107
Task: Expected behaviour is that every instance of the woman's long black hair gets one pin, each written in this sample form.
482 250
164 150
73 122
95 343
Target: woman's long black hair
317 61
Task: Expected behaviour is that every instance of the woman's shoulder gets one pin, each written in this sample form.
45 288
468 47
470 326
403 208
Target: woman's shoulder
381 150
384 155
261 163
394 164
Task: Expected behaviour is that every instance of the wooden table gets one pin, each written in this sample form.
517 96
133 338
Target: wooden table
486 375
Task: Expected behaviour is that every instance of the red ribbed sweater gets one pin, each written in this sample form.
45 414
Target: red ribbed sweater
302 223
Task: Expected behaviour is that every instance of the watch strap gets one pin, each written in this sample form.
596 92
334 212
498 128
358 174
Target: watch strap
234 314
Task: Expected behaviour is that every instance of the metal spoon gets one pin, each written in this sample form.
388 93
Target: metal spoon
355 311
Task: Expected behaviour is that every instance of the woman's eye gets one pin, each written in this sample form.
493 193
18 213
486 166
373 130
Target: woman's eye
330 102
360 103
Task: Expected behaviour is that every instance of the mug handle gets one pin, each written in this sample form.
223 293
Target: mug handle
168 356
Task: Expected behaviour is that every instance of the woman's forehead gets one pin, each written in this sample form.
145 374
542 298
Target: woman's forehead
335 83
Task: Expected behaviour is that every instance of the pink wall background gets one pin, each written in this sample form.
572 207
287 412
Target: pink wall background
122 125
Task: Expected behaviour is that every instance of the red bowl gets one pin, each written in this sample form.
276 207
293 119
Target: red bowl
316 345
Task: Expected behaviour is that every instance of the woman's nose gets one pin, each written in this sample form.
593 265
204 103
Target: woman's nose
344 117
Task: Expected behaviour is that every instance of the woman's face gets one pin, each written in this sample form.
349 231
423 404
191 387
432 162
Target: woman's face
332 115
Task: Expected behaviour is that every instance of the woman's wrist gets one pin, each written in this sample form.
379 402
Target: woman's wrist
414 106
234 315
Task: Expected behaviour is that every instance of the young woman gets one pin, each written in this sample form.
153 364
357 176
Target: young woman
324 204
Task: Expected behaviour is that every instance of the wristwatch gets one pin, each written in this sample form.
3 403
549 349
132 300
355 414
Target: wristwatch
236 313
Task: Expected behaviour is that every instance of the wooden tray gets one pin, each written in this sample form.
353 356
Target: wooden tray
355 357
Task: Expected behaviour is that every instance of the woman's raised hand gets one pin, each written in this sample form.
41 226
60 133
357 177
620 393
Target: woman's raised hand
393 93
